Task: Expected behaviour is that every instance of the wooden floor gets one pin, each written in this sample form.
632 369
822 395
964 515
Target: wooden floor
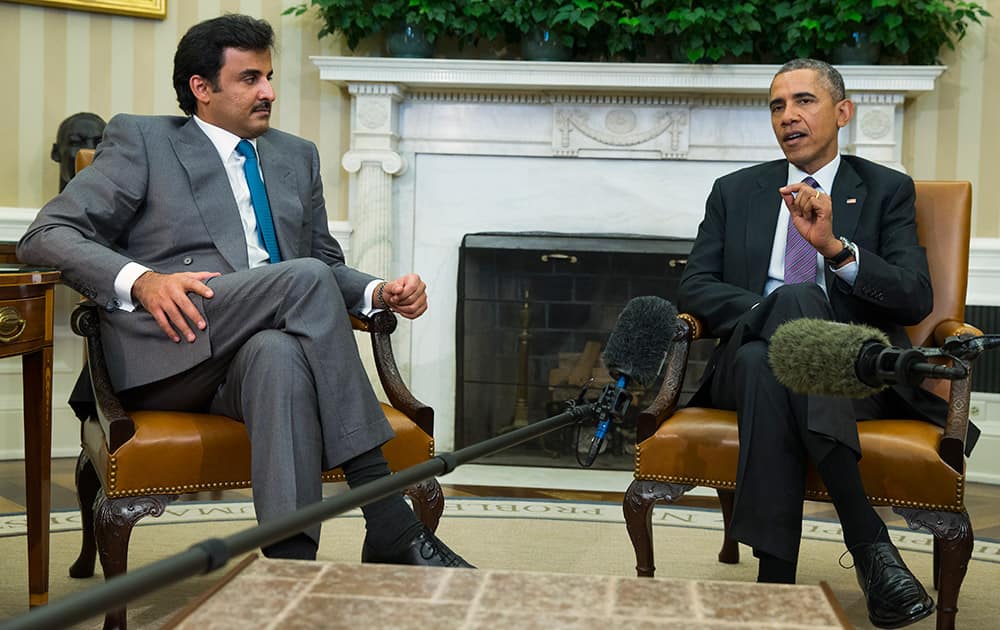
982 501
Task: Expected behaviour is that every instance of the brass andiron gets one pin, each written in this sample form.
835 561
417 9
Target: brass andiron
521 403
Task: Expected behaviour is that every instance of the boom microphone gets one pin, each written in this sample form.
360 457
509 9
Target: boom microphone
815 356
639 342
635 353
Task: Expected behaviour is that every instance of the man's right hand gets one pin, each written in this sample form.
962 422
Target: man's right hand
165 297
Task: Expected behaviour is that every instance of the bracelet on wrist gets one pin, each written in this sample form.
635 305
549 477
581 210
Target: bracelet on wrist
380 298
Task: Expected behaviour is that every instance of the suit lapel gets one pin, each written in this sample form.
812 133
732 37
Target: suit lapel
282 195
762 220
212 193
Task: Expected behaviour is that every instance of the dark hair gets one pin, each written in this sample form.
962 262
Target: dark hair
200 51
828 75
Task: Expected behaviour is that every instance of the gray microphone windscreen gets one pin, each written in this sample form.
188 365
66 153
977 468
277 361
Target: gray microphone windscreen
815 356
641 338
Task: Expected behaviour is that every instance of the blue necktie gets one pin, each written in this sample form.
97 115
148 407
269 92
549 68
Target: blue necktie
258 198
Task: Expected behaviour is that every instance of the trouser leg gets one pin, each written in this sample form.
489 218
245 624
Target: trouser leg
270 386
770 484
778 430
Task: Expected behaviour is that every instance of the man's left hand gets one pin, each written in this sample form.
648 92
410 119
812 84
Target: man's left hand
406 295
812 213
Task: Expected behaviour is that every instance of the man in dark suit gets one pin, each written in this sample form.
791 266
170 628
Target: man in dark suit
818 235
206 240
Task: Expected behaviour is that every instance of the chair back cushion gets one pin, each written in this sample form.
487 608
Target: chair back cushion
83 159
944 216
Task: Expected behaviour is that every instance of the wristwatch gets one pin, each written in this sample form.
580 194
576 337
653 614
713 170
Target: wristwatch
850 249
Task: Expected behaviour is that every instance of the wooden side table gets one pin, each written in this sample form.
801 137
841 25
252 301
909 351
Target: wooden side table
27 305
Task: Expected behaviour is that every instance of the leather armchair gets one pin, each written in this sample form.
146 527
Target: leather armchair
915 467
135 462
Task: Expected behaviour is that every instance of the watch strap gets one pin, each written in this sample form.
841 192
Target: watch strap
843 255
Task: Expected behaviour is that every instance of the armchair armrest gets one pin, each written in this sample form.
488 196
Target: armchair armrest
953 328
663 406
117 424
952 447
380 326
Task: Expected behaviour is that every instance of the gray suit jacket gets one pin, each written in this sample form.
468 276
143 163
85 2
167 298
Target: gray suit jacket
157 194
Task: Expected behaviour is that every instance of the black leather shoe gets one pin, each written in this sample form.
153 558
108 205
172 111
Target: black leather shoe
424 550
894 596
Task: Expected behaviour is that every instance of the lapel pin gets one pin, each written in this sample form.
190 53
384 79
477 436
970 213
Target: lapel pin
851 200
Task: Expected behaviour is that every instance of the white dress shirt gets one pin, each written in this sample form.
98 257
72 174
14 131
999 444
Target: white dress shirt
776 269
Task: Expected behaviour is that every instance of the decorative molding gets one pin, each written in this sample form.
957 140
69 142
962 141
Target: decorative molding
984 272
502 75
390 162
14 222
621 129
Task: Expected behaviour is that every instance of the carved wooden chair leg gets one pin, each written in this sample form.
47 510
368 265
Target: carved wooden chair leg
428 502
113 523
936 567
956 550
637 506
953 533
87 486
730 552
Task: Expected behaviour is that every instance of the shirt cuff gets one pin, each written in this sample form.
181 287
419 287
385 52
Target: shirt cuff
123 284
849 272
367 308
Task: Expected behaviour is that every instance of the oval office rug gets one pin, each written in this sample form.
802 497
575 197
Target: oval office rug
511 534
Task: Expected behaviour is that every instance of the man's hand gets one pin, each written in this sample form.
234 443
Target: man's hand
166 299
406 295
812 214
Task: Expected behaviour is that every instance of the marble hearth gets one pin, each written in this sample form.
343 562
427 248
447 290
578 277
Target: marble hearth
443 148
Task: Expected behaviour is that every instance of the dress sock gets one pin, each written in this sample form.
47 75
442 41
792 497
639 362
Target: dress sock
860 523
298 547
389 522
774 570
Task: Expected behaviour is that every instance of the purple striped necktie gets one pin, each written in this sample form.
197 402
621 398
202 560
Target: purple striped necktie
800 255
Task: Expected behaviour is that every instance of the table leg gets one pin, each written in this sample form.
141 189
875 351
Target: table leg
37 380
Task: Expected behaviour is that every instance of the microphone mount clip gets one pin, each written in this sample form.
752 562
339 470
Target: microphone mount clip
611 406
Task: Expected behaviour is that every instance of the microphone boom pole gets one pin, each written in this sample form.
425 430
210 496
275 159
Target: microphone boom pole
213 553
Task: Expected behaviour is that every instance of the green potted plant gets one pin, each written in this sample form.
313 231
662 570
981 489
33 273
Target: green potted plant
867 31
410 26
908 31
550 30
917 32
722 32
479 21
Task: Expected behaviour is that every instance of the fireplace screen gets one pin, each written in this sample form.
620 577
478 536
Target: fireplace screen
534 313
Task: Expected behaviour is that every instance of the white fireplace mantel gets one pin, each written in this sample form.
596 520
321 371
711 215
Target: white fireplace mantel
443 147
466 74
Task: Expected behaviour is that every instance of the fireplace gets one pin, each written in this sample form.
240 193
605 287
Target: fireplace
534 311
441 148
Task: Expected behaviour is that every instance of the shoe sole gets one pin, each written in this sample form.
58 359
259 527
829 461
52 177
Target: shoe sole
890 625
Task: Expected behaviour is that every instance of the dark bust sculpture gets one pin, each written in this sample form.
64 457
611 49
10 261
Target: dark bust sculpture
79 131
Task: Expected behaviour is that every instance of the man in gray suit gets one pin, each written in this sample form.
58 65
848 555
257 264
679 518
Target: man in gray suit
221 297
